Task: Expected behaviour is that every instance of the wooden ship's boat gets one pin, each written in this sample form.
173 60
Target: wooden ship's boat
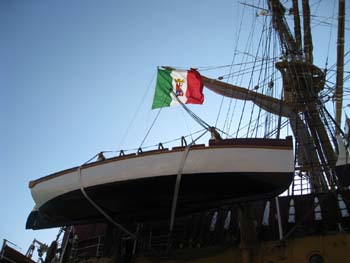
141 185
308 223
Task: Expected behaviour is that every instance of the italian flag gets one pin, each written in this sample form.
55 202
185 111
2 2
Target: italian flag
178 85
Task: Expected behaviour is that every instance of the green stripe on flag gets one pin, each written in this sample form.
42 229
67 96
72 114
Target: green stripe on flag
164 87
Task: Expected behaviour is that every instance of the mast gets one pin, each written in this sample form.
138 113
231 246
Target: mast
297 30
301 103
302 82
340 64
287 40
308 48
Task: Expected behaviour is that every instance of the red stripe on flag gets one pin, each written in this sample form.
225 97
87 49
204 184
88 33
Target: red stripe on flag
194 91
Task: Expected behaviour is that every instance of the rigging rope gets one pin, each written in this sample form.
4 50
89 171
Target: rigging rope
260 72
97 207
137 111
200 121
150 128
231 67
251 76
329 40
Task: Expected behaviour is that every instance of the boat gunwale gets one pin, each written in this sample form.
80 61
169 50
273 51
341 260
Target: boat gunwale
286 144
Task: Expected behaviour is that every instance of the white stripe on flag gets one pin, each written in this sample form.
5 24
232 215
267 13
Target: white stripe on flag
179 75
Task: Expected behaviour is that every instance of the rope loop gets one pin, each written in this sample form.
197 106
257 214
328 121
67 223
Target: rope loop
183 141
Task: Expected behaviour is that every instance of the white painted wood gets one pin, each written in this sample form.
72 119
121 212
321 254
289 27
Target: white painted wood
199 161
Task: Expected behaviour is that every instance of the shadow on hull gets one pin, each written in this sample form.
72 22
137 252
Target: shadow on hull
150 199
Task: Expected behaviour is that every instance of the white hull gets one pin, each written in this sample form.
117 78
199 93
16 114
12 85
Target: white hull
140 187
199 161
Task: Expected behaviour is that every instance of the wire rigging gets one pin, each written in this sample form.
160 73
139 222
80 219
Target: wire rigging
233 59
137 111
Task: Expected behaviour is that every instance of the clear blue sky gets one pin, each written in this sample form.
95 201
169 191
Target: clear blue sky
74 73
